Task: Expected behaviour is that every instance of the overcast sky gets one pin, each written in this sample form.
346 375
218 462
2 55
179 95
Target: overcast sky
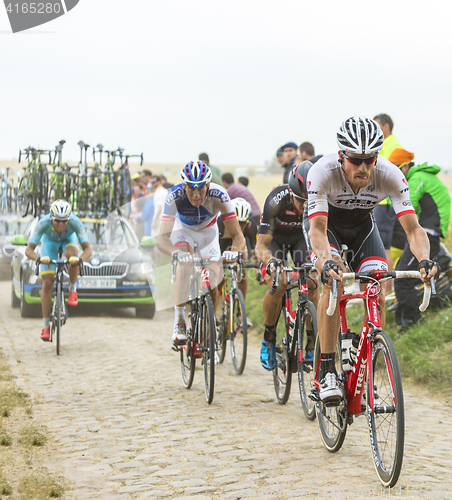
234 78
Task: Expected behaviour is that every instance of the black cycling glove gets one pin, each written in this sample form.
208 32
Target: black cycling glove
427 265
329 264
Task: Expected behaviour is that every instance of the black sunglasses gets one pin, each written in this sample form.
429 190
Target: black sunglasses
357 161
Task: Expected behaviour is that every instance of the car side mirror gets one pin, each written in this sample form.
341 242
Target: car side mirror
147 241
19 239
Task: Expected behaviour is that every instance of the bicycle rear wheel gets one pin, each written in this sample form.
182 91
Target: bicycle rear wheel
282 374
332 420
306 321
23 196
239 335
387 422
58 318
208 345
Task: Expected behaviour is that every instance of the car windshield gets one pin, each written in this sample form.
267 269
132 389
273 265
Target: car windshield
108 233
12 227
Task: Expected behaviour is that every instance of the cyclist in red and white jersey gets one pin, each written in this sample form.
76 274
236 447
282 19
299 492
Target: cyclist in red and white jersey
189 219
343 189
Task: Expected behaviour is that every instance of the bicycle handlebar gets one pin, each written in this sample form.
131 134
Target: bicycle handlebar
428 290
60 262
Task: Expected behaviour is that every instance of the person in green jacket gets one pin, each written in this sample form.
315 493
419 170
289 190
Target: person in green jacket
432 202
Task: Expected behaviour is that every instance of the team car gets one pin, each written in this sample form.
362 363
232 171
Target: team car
119 273
10 225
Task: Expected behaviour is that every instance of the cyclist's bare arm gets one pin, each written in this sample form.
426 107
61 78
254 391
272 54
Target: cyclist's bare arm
262 251
233 228
163 241
86 251
30 252
418 241
320 244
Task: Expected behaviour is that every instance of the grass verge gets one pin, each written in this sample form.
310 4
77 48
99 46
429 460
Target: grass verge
22 446
424 352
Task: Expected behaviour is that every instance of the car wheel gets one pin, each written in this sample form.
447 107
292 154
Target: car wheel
147 312
26 310
15 302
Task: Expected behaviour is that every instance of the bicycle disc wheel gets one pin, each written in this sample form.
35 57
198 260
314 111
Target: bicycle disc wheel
332 420
306 321
282 374
387 423
187 363
239 335
58 319
208 346
223 326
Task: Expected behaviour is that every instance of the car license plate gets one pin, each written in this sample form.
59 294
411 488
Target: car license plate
96 283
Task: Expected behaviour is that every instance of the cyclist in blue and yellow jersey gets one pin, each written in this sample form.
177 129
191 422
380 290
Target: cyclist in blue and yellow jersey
189 218
59 229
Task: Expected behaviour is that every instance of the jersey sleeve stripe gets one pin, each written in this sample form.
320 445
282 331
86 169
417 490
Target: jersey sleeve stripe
230 215
325 214
168 218
406 212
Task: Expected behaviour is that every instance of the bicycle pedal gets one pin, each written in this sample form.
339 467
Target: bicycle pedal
314 396
175 348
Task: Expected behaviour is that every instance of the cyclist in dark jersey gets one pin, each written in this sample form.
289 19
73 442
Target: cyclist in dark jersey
249 229
280 233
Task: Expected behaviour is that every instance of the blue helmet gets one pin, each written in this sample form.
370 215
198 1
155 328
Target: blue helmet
196 174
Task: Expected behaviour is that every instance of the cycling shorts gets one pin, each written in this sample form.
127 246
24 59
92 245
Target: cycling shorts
206 239
365 249
283 244
49 248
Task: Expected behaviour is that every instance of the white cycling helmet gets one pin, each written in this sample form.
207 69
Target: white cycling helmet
196 174
242 209
60 209
360 135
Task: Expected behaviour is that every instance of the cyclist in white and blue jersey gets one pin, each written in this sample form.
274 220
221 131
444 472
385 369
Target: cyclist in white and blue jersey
59 229
189 217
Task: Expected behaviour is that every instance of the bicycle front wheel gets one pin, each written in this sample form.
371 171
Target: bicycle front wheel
306 336
332 420
223 325
239 334
187 363
387 422
282 373
208 335
59 297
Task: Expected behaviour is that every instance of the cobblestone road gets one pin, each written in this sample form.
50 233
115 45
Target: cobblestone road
126 428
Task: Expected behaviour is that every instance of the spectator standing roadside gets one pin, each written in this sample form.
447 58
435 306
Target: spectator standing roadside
145 177
290 150
306 152
281 156
432 203
148 210
159 203
384 214
216 172
236 190
244 181
137 204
